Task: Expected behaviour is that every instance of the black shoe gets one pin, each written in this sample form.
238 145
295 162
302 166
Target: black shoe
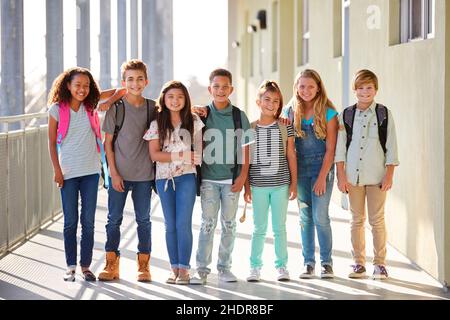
89 276
308 273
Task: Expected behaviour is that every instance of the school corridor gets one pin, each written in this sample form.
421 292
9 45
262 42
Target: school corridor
34 269
404 41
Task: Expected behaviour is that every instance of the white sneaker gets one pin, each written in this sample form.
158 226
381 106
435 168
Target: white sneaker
255 275
227 276
283 274
199 278
69 275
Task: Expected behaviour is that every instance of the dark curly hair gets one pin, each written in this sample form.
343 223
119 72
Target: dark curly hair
60 93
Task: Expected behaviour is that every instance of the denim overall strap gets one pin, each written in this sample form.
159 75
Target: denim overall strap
310 152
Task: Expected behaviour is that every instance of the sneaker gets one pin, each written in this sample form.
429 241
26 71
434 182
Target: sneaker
227 276
199 278
379 272
326 272
69 275
308 272
358 272
183 278
255 275
283 274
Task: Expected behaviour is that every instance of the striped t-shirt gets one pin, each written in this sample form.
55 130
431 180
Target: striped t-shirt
78 155
269 167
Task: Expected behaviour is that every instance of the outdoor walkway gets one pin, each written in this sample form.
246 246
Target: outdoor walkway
34 270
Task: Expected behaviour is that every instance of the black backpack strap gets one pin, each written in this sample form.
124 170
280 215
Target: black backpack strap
120 118
237 125
348 118
148 114
382 118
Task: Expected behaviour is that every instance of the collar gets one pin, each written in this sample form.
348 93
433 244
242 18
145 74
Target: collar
371 107
227 109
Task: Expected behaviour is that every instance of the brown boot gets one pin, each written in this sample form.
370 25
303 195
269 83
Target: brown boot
111 270
143 260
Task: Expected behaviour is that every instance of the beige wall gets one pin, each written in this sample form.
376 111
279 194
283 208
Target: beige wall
446 255
412 84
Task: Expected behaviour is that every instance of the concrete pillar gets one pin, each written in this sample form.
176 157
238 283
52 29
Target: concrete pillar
134 33
121 34
83 34
12 97
54 40
286 50
105 44
157 28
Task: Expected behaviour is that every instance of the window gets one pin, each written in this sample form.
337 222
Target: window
306 34
416 20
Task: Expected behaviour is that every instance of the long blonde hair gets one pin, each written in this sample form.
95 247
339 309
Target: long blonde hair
321 103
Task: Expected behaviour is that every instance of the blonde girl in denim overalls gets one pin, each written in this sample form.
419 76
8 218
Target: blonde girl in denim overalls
315 123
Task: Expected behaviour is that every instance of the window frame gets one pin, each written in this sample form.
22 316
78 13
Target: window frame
427 21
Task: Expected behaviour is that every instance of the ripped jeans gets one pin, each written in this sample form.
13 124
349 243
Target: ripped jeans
215 196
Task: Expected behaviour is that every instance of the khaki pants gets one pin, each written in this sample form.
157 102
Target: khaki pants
375 207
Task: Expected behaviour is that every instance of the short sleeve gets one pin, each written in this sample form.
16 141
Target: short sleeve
54 112
109 124
152 133
198 123
331 113
290 131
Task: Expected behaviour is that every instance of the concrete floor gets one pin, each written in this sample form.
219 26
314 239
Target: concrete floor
34 270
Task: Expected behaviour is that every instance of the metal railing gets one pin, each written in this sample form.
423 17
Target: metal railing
28 196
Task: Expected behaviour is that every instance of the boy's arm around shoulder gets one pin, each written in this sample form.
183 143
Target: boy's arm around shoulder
108 97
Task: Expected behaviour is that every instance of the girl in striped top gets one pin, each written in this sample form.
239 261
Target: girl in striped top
272 179
75 158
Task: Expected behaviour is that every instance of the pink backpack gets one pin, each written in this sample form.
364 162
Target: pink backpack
63 127
64 120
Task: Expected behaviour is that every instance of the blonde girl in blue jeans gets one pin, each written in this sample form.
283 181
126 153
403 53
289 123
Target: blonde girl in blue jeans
272 179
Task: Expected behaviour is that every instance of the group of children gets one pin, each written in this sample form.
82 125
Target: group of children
178 151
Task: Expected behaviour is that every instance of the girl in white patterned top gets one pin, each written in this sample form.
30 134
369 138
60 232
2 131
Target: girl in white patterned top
174 133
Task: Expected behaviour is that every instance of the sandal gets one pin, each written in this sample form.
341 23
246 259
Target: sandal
172 279
89 276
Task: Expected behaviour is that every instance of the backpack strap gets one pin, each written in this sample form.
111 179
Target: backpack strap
63 123
237 125
349 118
284 136
382 118
150 111
120 118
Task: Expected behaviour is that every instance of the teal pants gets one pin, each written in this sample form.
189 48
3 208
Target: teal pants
275 198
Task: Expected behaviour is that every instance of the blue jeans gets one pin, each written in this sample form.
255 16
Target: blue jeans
313 209
215 196
141 194
177 206
314 213
87 188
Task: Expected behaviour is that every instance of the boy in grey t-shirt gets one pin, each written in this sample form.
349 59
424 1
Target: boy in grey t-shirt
130 169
